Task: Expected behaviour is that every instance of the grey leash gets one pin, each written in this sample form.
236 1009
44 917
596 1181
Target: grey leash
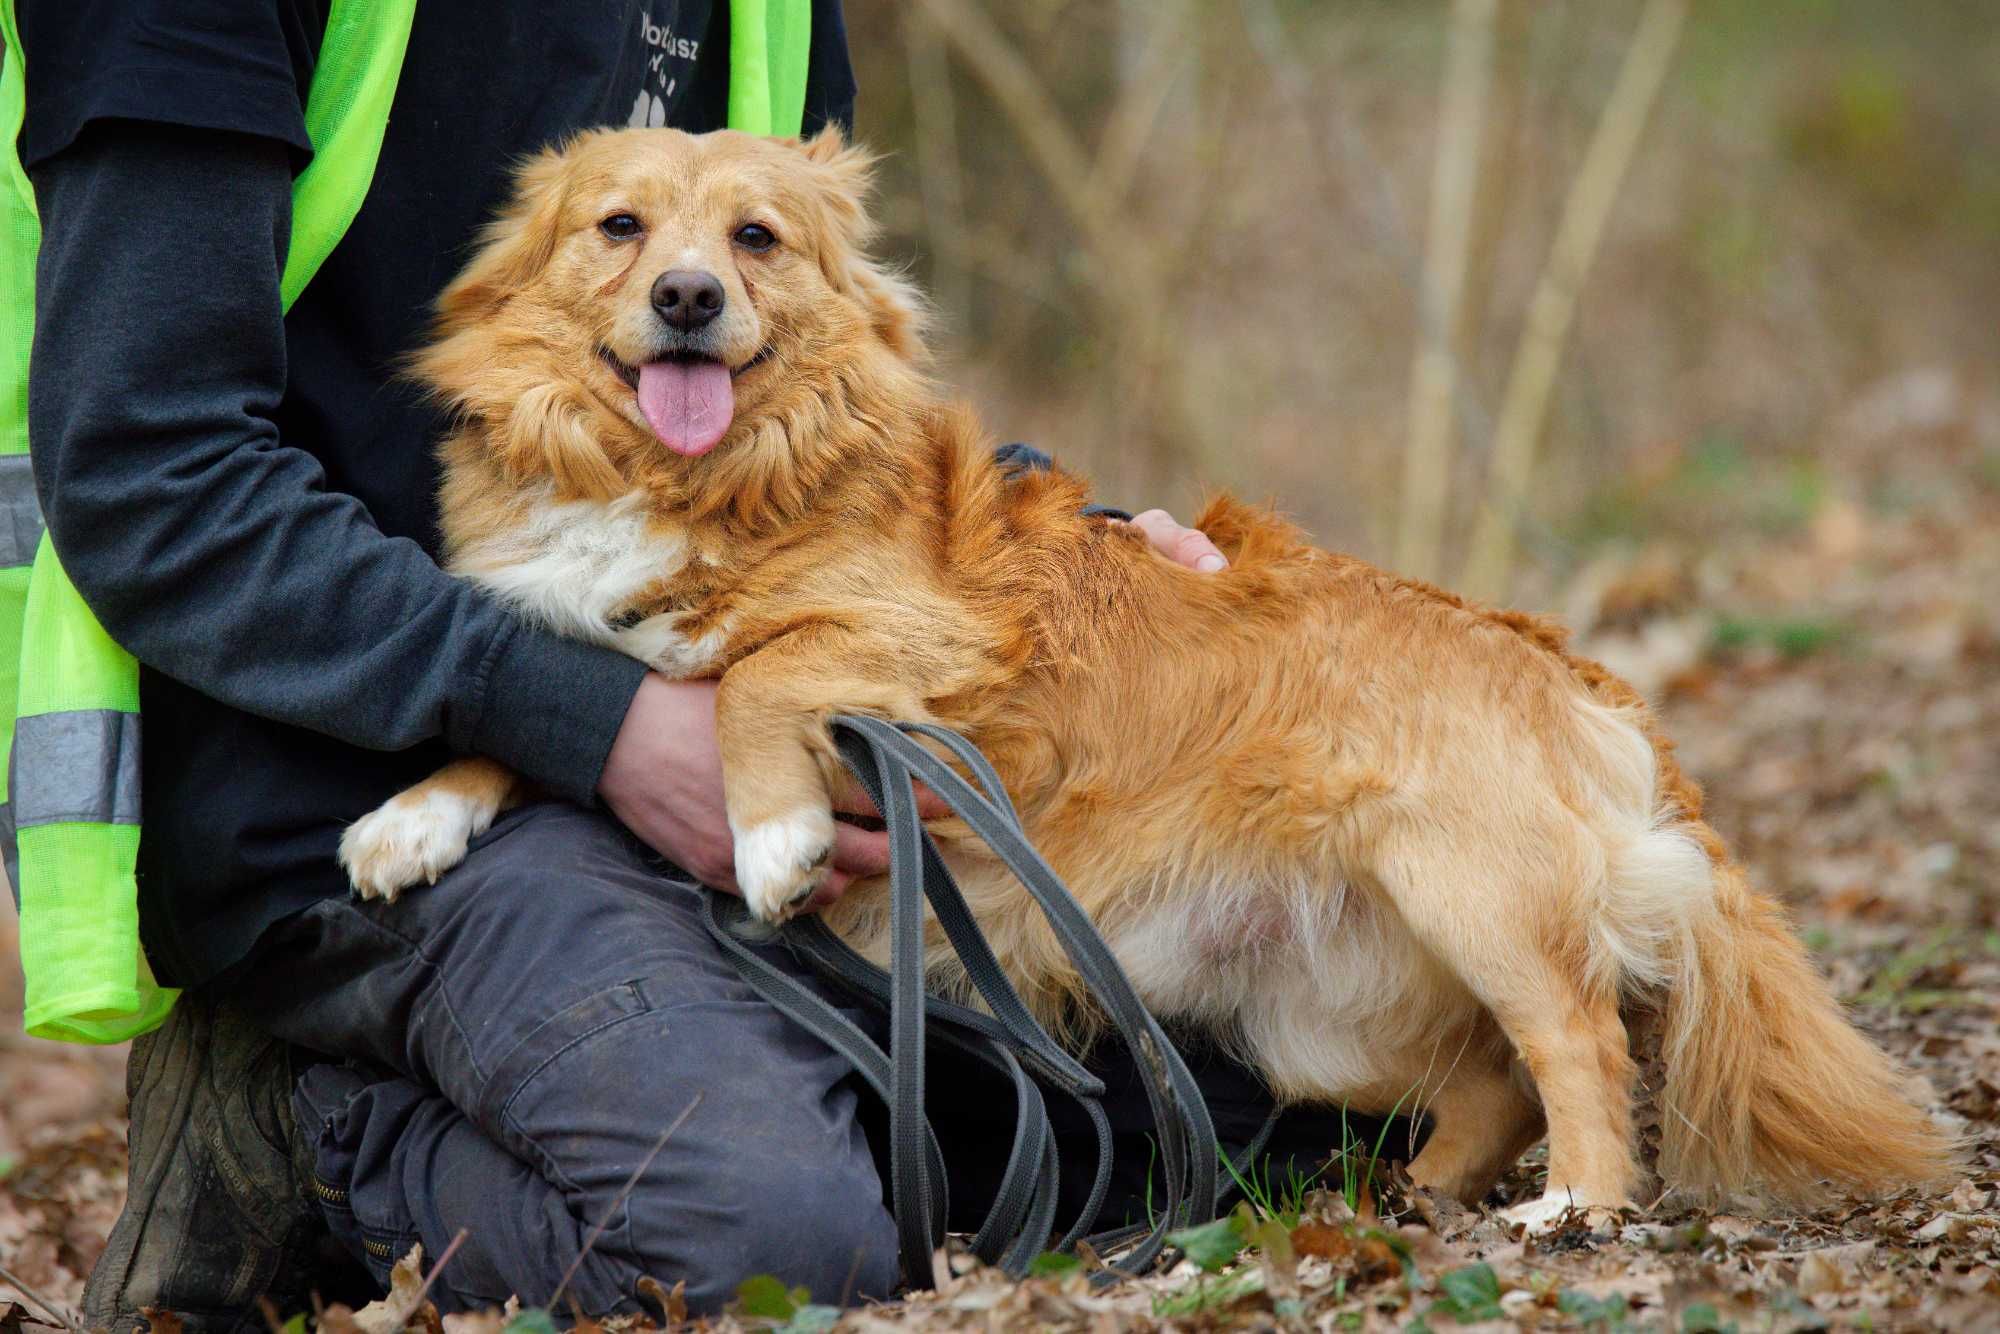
1020 1224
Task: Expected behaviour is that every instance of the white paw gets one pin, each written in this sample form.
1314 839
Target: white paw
1548 1214
780 862
410 839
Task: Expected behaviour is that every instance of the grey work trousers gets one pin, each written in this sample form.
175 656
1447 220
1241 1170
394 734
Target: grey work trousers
511 1042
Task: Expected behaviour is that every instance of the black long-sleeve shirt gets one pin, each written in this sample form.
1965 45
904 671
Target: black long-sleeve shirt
247 499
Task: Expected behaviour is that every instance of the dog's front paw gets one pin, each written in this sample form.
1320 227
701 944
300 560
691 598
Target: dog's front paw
780 862
1555 1211
412 838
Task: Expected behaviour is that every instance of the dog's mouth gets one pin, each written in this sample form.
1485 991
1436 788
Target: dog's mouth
687 398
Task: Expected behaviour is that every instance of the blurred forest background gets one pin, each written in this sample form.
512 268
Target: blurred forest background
1186 245
1681 321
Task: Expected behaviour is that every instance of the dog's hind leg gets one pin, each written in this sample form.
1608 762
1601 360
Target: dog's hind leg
1522 949
1482 1121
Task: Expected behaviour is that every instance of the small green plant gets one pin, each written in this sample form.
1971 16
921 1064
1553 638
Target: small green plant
1054 1264
1791 637
1895 986
1469 1295
1211 1246
1799 1310
1152 1158
1701 1318
1351 1179
1605 1313
1280 1200
1210 1296
786 1310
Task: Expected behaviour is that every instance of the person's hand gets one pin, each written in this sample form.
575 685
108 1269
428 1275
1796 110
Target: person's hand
1183 546
663 778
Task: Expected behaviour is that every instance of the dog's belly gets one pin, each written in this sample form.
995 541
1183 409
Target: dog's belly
1318 986
1201 956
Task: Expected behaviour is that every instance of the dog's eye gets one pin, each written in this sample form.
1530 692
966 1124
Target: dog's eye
619 226
755 236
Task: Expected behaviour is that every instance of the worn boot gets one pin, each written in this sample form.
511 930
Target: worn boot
218 1213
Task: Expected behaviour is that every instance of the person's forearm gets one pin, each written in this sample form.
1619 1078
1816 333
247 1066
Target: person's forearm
206 545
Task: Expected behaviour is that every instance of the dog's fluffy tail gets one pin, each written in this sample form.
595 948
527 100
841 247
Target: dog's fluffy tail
1768 1088
1766 1080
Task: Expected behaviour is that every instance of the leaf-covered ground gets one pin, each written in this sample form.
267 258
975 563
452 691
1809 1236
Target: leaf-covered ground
1826 647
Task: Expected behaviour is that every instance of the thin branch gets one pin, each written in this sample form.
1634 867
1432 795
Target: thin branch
985 250
442 1260
1462 97
1524 407
624 1192
1012 82
940 174
49 1308
1125 280
1142 96
1359 163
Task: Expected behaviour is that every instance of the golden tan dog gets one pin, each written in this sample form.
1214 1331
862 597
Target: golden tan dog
1398 849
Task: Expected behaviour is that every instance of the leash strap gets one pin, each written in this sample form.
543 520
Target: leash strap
888 762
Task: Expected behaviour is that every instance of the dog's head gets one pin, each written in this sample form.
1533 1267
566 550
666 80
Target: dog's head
654 302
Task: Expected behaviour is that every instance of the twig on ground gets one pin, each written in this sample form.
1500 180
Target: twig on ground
624 1192
444 1258
853 1273
50 1309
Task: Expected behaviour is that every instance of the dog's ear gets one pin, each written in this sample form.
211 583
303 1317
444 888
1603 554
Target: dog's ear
830 146
896 310
514 247
844 175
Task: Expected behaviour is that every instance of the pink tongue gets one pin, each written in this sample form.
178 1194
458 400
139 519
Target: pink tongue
687 403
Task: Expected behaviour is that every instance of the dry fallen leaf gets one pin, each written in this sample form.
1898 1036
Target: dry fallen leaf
1818 1274
490 1321
389 1314
671 1303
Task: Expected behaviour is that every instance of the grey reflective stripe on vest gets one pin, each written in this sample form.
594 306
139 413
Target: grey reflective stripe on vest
20 514
81 768
10 852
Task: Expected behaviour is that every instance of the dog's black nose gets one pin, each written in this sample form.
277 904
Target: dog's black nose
686 299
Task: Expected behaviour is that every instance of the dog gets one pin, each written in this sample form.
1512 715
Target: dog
1399 849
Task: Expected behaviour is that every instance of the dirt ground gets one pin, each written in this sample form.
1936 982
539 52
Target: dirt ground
1831 668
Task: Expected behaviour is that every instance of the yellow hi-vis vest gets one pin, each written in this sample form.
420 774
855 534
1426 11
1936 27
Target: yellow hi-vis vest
69 695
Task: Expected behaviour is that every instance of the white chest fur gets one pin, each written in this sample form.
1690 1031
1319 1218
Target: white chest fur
571 566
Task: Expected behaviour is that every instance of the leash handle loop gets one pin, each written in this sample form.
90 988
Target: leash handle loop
888 761
1186 1133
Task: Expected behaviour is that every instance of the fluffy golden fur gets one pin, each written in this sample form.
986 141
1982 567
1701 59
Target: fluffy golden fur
1399 849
